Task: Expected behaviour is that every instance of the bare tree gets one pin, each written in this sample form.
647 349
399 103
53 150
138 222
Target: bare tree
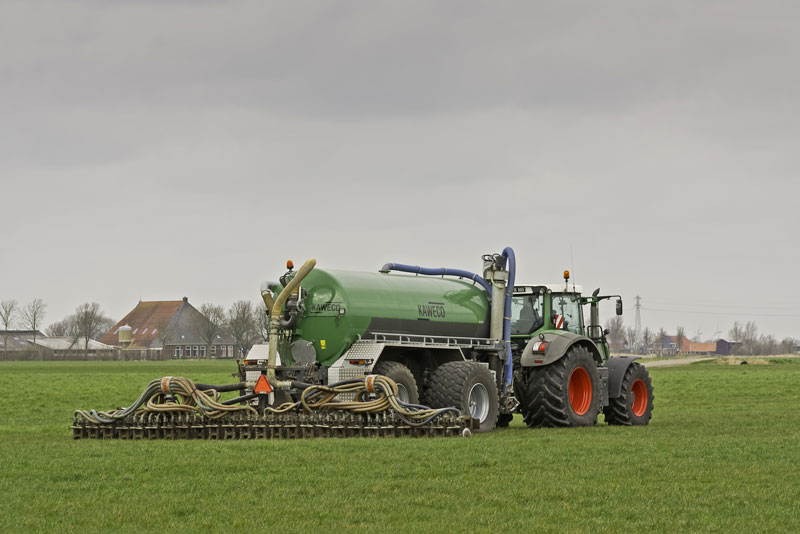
241 325
210 325
736 333
680 335
262 321
647 339
616 330
63 328
661 339
33 315
8 310
91 322
633 339
750 337
787 345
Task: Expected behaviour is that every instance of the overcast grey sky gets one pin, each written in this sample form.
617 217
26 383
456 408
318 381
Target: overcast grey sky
162 149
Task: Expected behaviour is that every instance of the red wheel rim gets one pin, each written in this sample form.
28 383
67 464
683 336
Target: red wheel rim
639 401
580 391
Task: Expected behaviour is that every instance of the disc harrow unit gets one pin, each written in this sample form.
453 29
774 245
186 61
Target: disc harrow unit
177 408
297 425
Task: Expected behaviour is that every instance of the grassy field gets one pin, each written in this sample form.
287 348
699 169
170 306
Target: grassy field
720 455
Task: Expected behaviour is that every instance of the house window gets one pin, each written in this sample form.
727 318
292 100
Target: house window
213 350
230 351
155 331
188 353
202 351
177 351
144 331
194 351
134 332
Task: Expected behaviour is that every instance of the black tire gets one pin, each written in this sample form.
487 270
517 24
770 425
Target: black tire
544 392
403 377
634 406
457 383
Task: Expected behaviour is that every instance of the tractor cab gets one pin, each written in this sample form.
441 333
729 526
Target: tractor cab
546 307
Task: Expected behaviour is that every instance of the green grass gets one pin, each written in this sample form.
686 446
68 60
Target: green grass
720 455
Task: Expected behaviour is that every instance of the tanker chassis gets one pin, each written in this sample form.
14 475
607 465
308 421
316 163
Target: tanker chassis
447 337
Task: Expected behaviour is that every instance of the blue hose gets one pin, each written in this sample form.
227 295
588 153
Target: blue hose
441 271
508 255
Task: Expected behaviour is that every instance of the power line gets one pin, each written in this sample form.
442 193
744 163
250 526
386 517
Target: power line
742 314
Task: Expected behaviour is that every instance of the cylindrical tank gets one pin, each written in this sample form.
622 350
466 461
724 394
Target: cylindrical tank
124 336
343 306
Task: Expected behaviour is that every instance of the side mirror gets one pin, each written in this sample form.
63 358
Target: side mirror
619 307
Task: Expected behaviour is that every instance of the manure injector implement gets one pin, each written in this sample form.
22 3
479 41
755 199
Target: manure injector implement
405 351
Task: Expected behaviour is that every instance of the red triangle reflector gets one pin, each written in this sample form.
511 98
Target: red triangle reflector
262 386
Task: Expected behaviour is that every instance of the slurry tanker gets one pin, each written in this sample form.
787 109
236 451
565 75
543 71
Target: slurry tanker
406 350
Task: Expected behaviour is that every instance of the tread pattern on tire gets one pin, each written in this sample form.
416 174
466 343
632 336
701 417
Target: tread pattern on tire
619 410
445 387
544 392
396 369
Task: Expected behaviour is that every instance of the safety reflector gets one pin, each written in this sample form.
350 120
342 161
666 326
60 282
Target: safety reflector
539 346
558 323
262 386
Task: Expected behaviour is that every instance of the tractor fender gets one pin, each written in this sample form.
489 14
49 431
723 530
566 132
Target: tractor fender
617 366
558 343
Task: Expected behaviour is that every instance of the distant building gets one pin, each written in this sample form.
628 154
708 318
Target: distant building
175 326
18 340
22 347
725 348
65 347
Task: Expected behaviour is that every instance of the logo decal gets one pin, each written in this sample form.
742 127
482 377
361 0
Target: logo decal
431 309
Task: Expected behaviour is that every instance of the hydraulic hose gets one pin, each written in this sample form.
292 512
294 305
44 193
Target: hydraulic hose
508 256
275 319
441 271
228 387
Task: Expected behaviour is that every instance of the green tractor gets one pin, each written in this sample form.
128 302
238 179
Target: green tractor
565 375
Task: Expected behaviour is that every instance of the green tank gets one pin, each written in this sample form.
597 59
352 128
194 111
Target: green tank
344 306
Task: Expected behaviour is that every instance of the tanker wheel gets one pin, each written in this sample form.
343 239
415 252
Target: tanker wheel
563 393
634 406
406 385
470 387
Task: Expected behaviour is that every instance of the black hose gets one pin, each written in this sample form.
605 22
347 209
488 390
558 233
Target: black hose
227 387
240 399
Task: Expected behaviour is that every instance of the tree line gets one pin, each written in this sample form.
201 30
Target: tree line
744 336
245 322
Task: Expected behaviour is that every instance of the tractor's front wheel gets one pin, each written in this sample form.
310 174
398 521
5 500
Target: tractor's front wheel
634 406
470 387
563 393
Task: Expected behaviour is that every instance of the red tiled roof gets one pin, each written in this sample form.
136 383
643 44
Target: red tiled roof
144 320
703 347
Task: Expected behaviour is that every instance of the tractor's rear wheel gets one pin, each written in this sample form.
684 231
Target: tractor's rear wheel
407 389
468 386
634 406
563 393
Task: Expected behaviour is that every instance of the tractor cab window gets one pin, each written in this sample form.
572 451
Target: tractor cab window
527 314
568 305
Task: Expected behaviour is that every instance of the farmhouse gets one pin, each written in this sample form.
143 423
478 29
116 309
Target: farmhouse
175 326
